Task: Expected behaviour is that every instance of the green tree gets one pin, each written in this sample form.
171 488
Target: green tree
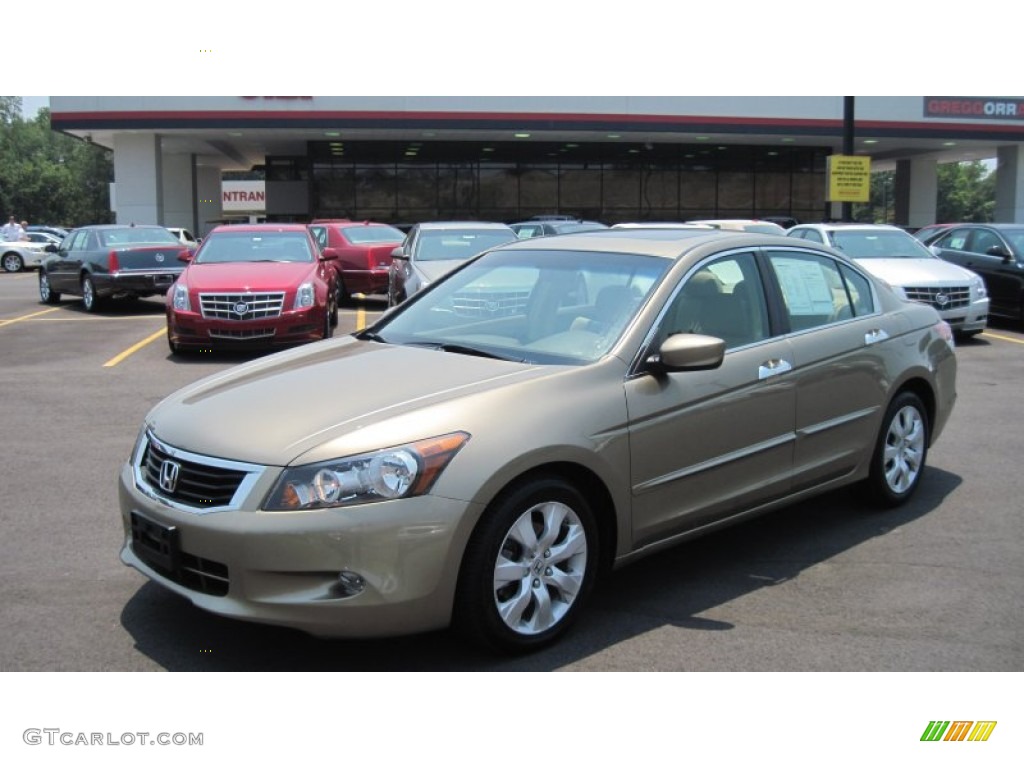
47 177
967 192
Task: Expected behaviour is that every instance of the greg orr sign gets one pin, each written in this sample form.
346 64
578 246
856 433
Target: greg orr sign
243 196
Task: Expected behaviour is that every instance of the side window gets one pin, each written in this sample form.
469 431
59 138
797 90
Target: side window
955 240
320 235
78 243
981 240
862 300
725 299
813 236
812 288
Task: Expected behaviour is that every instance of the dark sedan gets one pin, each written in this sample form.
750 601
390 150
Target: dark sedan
107 261
994 251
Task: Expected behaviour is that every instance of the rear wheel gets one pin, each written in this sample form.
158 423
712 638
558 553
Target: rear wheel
900 453
528 567
12 262
90 300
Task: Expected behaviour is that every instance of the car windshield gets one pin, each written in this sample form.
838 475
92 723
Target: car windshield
362 234
536 306
458 244
112 238
879 244
223 247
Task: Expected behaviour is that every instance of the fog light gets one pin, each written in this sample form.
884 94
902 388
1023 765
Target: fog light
349 584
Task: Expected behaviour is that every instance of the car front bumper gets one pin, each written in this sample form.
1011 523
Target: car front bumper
297 326
969 319
299 569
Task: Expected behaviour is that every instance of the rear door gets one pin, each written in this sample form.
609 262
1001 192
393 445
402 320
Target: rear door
840 380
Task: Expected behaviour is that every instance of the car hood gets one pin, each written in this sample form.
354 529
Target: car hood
435 270
244 276
917 272
341 395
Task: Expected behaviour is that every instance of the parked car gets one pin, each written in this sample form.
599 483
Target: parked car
484 467
901 260
930 232
659 225
23 254
184 236
994 251
59 232
743 225
104 261
534 228
253 285
364 253
783 221
433 249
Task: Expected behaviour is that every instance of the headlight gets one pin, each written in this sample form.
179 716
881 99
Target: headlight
181 302
978 289
392 473
304 296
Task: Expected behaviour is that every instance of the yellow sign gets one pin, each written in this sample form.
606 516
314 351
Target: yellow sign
849 179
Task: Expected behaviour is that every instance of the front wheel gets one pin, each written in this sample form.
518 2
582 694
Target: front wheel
46 293
528 567
12 262
900 452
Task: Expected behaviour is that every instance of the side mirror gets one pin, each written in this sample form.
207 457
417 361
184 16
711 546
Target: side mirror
687 352
185 256
1001 252
329 254
398 253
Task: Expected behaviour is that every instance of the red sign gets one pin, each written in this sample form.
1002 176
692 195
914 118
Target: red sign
974 108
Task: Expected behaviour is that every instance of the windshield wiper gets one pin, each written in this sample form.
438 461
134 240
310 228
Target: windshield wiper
463 349
370 336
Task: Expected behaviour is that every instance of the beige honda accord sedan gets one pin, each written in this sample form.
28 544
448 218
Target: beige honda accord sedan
553 409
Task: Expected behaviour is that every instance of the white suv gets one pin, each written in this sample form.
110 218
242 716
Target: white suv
902 261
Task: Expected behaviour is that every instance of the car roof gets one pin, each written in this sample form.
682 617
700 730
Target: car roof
664 243
260 228
849 225
463 225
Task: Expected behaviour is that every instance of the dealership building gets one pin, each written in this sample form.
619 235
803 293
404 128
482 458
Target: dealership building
609 158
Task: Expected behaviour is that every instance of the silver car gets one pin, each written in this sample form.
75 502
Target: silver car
433 249
901 260
554 409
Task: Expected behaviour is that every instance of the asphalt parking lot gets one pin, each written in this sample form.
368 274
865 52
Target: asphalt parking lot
937 585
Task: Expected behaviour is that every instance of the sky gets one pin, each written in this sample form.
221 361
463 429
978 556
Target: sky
32 104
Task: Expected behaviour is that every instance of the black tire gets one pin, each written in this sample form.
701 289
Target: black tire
175 348
334 309
342 294
12 262
90 300
46 294
328 325
900 452
541 538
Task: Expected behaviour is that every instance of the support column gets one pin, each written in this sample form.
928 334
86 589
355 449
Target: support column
138 176
209 207
917 188
178 210
1010 184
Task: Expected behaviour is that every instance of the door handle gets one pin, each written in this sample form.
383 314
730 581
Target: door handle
770 368
874 336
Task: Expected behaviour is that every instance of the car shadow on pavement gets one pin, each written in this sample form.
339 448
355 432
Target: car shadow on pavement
672 588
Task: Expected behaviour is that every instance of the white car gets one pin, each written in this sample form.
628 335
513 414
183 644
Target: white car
20 255
743 225
902 261
186 237
658 225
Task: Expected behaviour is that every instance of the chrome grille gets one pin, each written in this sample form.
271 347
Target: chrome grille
241 306
491 303
242 334
955 297
197 485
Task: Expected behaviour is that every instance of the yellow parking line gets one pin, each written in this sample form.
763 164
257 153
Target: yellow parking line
133 349
360 318
988 335
26 317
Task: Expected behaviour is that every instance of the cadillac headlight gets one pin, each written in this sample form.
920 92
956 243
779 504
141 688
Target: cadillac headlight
391 473
181 301
304 296
978 290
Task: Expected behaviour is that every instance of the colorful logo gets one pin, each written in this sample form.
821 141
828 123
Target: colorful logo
959 730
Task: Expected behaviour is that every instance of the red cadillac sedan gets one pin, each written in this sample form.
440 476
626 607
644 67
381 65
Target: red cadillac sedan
253 285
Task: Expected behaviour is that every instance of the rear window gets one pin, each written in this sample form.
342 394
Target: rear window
136 236
361 235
